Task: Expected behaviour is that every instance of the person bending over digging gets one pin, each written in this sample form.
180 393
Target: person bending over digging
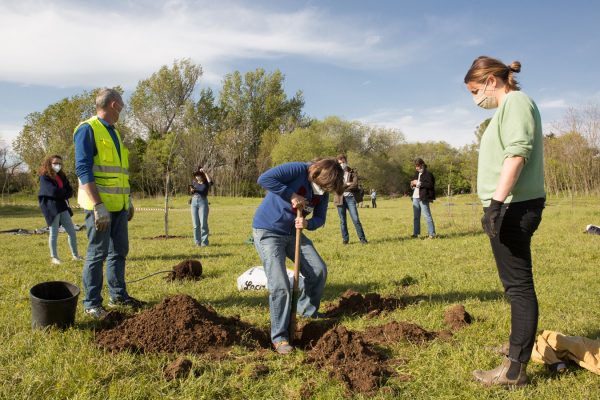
510 184
291 186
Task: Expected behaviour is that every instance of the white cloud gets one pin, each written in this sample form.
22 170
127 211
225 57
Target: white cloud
72 43
8 133
449 123
553 103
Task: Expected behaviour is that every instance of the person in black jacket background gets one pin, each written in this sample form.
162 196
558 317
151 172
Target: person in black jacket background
423 185
55 190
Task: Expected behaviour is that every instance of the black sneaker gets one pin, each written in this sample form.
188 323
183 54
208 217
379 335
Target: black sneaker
128 302
344 242
364 241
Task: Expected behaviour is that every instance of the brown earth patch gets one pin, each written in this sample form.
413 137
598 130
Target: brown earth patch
397 331
186 270
308 332
456 317
164 237
179 368
180 324
354 303
349 358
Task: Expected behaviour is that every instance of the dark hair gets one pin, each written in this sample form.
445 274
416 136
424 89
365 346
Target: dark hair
327 173
419 162
46 167
341 157
484 66
201 174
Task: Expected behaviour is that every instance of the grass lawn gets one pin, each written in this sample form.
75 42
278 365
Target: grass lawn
458 267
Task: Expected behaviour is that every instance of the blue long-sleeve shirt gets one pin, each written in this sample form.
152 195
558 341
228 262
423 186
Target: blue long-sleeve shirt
85 150
275 212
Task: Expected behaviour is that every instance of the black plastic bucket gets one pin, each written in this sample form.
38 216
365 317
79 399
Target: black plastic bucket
53 303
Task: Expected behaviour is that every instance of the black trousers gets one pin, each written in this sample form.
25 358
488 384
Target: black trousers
512 251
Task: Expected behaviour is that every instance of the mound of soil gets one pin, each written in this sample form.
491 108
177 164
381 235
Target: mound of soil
309 332
186 270
456 317
180 324
349 358
397 331
163 237
179 368
354 303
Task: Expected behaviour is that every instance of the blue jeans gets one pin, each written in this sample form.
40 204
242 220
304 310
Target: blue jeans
273 248
111 245
419 205
350 205
200 220
64 219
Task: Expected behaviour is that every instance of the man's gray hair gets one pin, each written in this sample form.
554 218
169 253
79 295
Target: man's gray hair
106 96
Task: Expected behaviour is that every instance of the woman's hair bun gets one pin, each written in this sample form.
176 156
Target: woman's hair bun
515 66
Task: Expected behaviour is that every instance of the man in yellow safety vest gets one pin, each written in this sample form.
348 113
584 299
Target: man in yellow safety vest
102 166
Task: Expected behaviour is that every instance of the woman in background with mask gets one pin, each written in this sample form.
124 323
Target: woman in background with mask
510 184
53 196
423 185
199 206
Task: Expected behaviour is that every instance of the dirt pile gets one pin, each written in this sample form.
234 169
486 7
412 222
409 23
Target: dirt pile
456 317
187 269
397 331
180 324
350 359
354 303
179 368
309 332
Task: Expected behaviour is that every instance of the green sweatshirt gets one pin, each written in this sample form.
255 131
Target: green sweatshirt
515 130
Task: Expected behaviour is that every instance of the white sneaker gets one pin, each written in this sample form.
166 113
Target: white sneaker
78 258
56 261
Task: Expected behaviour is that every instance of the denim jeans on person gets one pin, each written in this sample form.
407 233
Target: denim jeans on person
418 206
512 252
111 245
273 248
199 209
64 219
350 205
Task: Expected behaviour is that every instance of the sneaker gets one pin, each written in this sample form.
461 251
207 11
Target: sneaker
431 237
128 302
364 241
414 236
97 312
344 242
78 258
283 347
55 261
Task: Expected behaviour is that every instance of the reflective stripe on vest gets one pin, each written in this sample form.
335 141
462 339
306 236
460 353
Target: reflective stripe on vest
111 171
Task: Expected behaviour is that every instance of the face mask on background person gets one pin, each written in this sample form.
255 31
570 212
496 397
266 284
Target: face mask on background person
484 101
344 165
56 167
318 190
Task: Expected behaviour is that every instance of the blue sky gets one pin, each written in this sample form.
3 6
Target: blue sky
397 64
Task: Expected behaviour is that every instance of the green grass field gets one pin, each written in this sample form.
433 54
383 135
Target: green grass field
455 268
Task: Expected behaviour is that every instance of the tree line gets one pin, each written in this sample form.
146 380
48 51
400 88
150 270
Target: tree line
172 127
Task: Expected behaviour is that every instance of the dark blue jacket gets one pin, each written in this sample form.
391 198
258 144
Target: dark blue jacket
275 213
52 199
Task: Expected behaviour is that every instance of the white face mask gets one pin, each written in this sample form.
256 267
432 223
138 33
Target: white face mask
344 165
484 101
56 167
318 190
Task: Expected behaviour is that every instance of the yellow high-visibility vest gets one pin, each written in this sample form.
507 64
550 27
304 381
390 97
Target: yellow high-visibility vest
111 172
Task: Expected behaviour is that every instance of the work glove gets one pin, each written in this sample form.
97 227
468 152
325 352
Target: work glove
101 217
130 210
490 218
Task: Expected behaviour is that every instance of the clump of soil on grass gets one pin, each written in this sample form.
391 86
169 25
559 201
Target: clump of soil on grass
179 368
349 358
163 237
397 331
354 303
456 317
308 332
186 270
180 324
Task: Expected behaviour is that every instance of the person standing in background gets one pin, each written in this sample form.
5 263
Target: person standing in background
102 166
373 198
199 206
423 185
53 197
510 184
347 201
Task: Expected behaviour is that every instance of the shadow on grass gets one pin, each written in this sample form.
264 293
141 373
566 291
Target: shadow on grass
442 236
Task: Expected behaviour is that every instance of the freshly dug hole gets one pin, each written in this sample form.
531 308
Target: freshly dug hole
187 269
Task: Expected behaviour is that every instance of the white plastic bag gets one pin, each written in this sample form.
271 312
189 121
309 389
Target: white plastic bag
256 279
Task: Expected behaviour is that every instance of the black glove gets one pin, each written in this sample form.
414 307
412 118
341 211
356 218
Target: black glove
490 218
